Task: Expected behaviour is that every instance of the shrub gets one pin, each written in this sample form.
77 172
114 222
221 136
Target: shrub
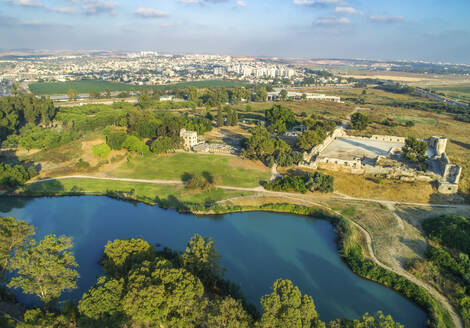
102 150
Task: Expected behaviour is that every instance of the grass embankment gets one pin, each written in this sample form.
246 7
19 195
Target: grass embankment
84 86
168 196
224 170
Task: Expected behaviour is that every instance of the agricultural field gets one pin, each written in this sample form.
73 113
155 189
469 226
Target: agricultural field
224 170
458 91
84 86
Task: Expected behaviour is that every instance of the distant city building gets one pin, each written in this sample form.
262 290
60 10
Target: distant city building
275 96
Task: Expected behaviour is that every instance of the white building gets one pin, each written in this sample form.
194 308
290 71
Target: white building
189 138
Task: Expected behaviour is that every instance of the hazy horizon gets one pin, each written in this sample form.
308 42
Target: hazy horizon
433 30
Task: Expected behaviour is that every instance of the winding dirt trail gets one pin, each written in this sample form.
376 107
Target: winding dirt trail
438 296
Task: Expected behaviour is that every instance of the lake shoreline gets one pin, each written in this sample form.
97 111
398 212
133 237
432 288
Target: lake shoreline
346 247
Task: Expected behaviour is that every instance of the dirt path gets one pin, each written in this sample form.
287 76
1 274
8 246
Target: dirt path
439 297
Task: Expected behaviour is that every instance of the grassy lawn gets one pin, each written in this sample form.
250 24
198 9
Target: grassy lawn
455 91
225 170
168 195
84 86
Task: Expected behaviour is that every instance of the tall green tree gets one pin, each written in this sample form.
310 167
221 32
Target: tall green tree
286 307
45 269
162 296
72 94
415 150
359 121
14 235
283 94
228 313
220 118
101 305
202 259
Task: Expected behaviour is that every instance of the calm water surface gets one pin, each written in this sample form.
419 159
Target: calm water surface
256 248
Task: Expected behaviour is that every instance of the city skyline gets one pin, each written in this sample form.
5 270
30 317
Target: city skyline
422 30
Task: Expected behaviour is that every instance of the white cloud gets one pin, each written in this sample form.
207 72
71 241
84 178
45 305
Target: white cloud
348 10
332 21
317 2
65 10
150 13
241 3
95 7
386 19
26 3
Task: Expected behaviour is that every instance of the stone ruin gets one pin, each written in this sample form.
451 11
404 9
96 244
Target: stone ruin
381 155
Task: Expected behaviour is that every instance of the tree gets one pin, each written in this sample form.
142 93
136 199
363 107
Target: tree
45 269
115 139
102 150
162 145
415 150
283 94
121 255
228 313
107 93
134 144
309 139
101 305
220 118
234 121
359 121
162 296
260 93
94 94
286 307
279 119
72 94
378 320
201 258
14 235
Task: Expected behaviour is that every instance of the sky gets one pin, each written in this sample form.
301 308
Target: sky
431 30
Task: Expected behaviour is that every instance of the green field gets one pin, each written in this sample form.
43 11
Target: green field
454 91
168 195
84 86
225 170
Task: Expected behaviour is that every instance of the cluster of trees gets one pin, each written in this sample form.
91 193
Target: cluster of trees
313 182
230 119
396 88
359 121
147 288
17 175
315 133
32 136
448 265
262 146
16 111
279 119
415 150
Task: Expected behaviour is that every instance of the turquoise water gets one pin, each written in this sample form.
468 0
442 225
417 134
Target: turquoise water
256 248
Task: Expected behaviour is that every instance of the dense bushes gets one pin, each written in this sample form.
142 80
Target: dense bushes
35 137
313 182
449 231
12 176
102 150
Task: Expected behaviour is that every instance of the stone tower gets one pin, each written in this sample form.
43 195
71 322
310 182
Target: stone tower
438 145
